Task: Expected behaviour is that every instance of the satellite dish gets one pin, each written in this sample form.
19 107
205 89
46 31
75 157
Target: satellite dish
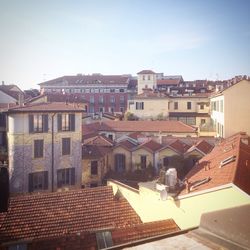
164 195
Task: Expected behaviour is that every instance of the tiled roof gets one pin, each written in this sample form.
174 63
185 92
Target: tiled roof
56 214
188 114
126 144
145 72
143 231
135 135
211 166
203 146
151 146
94 151
100 140
179 146
168 81
146 126
46 107
81 80
59 97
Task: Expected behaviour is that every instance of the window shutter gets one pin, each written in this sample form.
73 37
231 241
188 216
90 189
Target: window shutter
46 173
31 182
72 176
72 122
59 122
45 123
31 123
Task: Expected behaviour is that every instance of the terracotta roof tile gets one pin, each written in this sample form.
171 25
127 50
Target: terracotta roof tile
127 145
146 126
179 146
54 214
100 140
236 171
143 231
46 107
203 146
151 146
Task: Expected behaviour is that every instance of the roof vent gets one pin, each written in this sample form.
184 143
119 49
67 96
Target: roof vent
227 160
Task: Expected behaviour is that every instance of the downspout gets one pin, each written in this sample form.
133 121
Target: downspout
52 153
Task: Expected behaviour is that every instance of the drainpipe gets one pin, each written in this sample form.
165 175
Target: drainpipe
52 153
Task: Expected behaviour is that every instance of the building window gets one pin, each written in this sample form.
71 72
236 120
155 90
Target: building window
65 146
94 168
122 109
38 148
92 99
101 109
101 99
66 122
148 77
175 105
189 105
139 105
221 105
143 77
122 100
104 239
17 247
38 123
143 161
121 90
203 121
65 177
38 181
120 163
190 121
112 99
201 106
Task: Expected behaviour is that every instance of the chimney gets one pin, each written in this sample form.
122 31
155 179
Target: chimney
4 187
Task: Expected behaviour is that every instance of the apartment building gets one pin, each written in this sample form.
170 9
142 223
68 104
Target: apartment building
44 146
104 93
230 109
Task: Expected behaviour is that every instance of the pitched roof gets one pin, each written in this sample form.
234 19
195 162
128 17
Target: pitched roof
60 97
100 140
146 126
7 89
126 144
202 146
145 230
56 214
179 146
151 146
168 81
81 80
228 162
46 107
145 72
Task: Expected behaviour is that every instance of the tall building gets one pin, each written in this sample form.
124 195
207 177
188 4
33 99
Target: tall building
105 93
44 146
230 109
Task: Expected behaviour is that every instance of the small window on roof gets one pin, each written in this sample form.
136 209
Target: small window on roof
227 160
104 239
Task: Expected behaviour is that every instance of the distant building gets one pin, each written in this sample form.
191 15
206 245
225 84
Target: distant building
44 146
230 109
104 93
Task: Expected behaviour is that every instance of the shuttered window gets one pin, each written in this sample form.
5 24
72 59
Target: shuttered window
38 123
94 167
65 177
66 122
65 146
38 181
38 148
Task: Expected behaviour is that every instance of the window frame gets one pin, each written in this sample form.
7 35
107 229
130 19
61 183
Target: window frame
38 181
66 146
65 177
94 168
37 151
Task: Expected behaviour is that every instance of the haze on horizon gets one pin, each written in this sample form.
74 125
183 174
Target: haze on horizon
42 40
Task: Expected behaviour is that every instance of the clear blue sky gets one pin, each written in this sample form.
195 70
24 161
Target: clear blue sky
41 40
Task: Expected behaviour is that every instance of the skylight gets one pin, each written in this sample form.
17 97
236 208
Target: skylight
227 160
